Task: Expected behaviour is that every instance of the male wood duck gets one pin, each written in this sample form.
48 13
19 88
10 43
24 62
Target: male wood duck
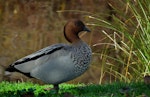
58 63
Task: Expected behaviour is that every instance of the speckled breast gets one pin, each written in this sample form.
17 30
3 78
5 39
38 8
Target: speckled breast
81 58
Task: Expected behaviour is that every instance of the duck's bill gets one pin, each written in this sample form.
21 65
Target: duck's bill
86 29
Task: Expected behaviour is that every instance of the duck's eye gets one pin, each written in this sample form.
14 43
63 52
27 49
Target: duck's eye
79 24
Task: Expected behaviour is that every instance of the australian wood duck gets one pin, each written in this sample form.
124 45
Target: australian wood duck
59 62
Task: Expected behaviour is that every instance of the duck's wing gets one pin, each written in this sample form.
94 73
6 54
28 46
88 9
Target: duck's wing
26 64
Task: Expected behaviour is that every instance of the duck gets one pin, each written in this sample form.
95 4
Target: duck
58 63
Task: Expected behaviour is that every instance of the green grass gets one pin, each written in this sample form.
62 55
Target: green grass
11 89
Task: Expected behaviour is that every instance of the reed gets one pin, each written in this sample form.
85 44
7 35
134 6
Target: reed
127 54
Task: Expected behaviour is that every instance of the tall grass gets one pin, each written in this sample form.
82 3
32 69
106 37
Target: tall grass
127 55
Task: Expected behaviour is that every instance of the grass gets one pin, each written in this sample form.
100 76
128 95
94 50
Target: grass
118 89
126 54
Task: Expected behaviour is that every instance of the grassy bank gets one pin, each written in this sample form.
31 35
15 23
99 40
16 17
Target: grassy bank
69 90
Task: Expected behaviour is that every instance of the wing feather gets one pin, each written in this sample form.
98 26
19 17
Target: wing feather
26 64
40 53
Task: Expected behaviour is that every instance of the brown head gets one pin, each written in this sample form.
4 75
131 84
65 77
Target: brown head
73 28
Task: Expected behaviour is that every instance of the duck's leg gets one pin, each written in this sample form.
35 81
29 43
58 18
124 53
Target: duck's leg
56 87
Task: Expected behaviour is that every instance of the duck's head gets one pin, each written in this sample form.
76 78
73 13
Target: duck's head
73 28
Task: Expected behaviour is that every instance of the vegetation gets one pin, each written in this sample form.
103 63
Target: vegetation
91 90
129 41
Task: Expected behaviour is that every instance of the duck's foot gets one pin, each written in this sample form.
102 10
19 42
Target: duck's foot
56 87
54 90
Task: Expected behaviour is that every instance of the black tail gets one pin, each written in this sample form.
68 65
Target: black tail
12 69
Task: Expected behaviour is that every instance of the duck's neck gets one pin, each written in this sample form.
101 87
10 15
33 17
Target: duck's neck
75 42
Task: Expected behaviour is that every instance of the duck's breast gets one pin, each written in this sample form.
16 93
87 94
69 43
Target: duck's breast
81 58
